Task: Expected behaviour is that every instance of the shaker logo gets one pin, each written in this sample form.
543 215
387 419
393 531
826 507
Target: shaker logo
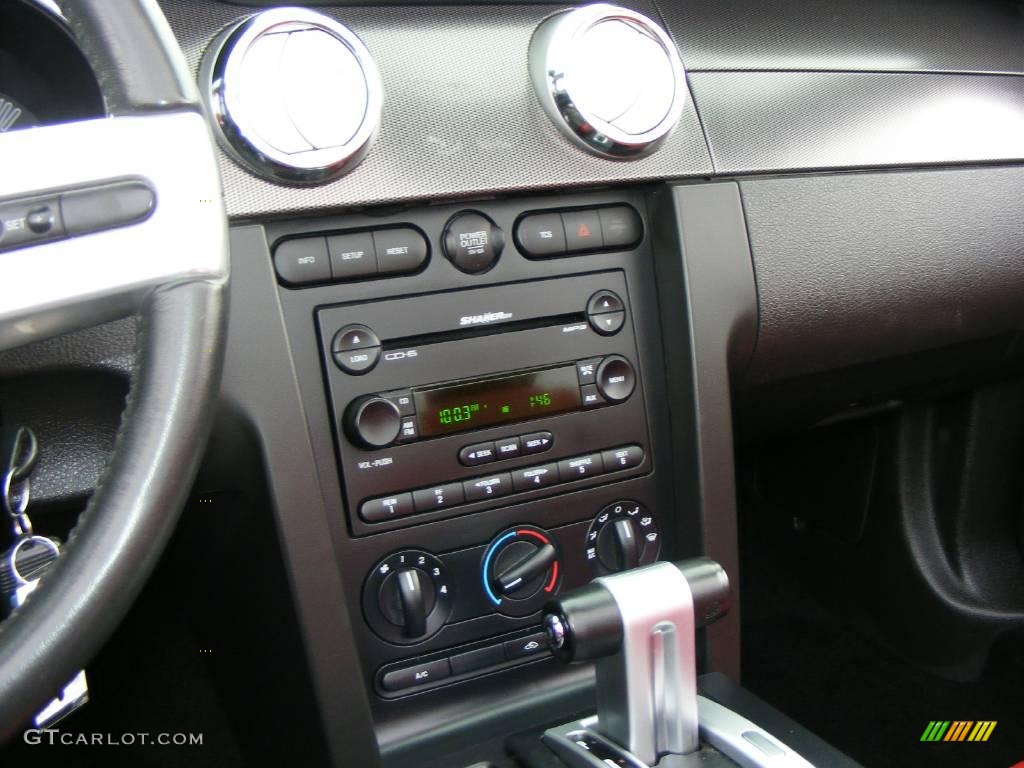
486 317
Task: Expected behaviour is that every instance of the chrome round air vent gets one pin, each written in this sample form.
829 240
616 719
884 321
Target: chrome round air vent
295 96
610 78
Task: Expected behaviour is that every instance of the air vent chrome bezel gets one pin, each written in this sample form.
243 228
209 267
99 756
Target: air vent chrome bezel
550 57
221 67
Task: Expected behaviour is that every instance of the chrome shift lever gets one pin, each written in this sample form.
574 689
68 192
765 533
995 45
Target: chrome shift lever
640 625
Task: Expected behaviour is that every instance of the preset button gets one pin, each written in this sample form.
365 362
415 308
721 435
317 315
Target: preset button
579 467
438 497
487 487
386 508
530 478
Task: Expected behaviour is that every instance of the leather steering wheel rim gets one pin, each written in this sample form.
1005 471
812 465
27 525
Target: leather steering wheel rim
126 525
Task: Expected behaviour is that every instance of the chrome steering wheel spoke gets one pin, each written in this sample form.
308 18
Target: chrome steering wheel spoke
74 281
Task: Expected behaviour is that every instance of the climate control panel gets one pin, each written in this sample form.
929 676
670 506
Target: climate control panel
412 595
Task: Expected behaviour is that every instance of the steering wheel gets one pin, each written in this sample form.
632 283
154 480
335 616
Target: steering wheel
171 270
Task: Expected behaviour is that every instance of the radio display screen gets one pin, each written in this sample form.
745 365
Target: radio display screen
477 404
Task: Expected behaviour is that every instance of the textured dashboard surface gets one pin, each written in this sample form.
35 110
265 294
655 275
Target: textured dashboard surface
460 118
784 121
850 35
857 267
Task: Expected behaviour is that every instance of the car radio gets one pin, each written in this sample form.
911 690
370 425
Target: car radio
453 403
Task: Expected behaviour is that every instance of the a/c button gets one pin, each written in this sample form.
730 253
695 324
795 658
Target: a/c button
411 677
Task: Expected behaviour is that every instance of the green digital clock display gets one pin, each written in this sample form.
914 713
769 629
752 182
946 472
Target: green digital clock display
486 402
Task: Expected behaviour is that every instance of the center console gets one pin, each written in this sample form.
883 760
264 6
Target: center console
485 393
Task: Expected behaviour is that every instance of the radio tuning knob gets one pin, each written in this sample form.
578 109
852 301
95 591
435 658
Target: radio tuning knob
372 422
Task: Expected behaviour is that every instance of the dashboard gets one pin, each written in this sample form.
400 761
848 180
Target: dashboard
485 352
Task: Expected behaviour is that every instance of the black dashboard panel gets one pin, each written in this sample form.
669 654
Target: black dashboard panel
857 267
866 36
542 303
460 117
783 121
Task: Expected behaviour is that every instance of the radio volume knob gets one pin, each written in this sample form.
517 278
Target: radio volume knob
372 422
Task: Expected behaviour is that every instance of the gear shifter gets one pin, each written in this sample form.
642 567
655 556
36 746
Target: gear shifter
640 627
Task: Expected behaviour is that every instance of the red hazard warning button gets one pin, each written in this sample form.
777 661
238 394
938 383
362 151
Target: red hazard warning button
582 231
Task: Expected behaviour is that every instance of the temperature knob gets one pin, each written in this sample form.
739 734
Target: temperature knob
520 570
408 597
622 536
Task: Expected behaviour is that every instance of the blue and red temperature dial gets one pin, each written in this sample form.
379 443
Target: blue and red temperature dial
520 570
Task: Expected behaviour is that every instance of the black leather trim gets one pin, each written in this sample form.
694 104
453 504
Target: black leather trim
133 53
124 529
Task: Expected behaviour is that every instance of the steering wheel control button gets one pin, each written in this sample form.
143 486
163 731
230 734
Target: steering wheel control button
401 250
472 242
373 422
303 261
386 508
620 226
21 222
582 231
540 235
438 497
616 378
580 467
536 442
352 255
622 458
476 454
413 677
609 78
531 645
483 488
295 96
107 207
356 349
531 478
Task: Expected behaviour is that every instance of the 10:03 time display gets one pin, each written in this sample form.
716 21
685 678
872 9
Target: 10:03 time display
497 400
457 414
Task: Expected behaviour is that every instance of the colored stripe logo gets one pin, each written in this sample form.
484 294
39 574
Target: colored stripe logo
958 730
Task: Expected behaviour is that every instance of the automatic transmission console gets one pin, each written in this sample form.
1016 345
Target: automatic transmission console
640 628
